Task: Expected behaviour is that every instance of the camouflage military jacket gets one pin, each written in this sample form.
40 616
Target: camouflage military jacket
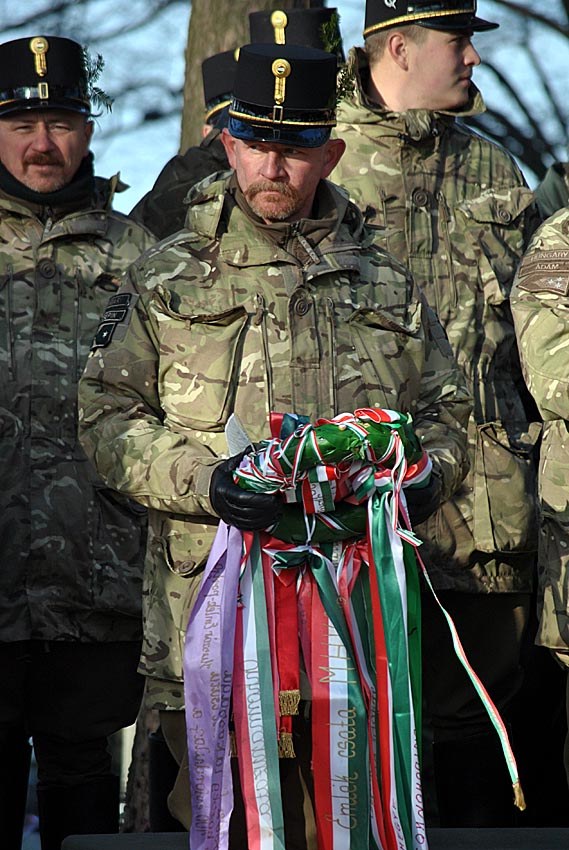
454 207
553 191
540 304
221 319
71 551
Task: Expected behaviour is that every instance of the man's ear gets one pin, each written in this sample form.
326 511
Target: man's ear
229 144
89 129
396 48
332 155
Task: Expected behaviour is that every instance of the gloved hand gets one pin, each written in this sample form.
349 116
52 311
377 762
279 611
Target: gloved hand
241 508
423 501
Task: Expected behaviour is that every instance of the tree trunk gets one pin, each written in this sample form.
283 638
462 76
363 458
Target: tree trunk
215 26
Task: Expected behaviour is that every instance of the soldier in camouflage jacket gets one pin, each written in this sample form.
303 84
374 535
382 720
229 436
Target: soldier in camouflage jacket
248 314
234 316
540 304
72 551
58 268
454 207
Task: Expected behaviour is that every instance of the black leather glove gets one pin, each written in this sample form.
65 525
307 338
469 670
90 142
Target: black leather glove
423 501
241 508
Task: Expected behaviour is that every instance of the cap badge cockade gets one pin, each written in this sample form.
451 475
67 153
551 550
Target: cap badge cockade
281 69
39 47
279 22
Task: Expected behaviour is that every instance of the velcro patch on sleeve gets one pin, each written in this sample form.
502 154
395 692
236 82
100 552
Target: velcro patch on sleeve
116 312
545 271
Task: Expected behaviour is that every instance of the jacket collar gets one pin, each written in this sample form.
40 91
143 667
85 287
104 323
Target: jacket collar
213 205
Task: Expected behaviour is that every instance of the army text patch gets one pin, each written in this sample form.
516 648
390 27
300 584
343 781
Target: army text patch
546 271
115 313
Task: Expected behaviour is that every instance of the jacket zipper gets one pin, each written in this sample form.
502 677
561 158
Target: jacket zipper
444 218
329 307
8 285
260 318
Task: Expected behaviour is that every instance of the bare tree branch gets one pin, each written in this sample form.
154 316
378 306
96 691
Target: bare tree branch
527 12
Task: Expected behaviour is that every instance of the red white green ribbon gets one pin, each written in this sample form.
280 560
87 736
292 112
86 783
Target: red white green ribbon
358 622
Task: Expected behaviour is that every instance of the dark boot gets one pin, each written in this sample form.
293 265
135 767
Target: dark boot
473 784
88 809
162 773
14 772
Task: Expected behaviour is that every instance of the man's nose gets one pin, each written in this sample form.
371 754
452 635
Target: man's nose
42 140
472 57
272 166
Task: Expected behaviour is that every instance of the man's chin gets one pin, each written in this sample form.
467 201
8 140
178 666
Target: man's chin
272 211
49 181
45 185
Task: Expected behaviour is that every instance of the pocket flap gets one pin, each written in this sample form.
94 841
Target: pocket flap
501 208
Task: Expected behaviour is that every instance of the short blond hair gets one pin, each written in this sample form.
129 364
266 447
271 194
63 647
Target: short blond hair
375 44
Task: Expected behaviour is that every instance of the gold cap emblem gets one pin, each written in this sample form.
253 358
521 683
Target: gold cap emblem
279 21
281 69
39 47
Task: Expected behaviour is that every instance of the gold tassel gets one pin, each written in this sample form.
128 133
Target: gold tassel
289 702
286 747
232 744
519 798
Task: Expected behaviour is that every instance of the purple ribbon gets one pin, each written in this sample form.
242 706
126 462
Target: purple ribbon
208 678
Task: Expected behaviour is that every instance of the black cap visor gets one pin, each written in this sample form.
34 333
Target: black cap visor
28 97
301 128
468 23
281 134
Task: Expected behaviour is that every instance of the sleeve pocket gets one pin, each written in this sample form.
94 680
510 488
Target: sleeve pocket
505 503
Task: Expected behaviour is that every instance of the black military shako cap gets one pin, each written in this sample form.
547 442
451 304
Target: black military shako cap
446 15
43 72
218 73
297 26
284 93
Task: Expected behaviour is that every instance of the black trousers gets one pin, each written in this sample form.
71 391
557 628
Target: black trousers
491 628
68 697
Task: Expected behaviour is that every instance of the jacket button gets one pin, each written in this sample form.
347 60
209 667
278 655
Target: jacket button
302 307
504 215
46 268
420 197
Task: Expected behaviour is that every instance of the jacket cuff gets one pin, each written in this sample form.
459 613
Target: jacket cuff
202 482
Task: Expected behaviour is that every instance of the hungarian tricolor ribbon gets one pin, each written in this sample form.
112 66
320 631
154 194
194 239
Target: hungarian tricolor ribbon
340 580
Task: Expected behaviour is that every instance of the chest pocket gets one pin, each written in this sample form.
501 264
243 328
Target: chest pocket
200 360
373 355
492 226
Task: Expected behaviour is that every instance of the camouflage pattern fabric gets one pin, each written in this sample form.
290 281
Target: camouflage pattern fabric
71 550
163 209
553 192
232 315
454 208
540 305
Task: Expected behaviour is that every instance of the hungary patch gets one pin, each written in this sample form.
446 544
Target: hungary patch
546 271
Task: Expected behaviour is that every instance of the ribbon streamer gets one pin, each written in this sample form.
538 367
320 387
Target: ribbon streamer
339 577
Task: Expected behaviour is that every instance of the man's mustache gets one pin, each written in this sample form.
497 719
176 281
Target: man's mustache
268 186
43 159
